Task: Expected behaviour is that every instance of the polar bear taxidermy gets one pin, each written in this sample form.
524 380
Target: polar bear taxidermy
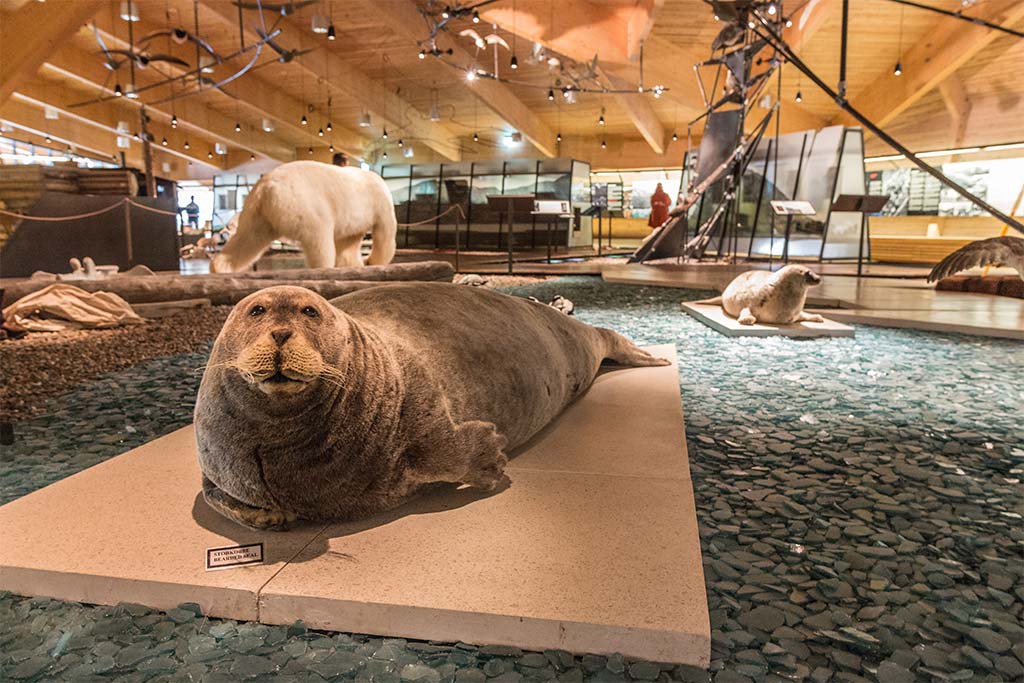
327 209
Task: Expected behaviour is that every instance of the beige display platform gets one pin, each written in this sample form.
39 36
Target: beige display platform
592 545
714 317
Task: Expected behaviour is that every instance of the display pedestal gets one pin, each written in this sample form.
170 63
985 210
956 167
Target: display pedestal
714 317
593 546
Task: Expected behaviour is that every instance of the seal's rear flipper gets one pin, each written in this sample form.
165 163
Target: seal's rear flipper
713 301
625 352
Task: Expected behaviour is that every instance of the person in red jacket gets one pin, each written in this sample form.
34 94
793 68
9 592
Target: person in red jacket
660 203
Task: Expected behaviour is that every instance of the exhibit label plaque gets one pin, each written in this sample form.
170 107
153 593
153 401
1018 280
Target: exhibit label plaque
233 556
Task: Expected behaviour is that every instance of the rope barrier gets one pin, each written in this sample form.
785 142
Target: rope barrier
75 217
454 207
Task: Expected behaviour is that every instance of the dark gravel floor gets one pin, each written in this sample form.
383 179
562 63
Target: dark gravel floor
859 502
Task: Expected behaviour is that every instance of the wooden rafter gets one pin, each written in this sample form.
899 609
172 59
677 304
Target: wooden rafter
958 104
373 95
947 46
640 112
33 32
403 17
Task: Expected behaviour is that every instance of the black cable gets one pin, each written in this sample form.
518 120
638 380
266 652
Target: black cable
961 16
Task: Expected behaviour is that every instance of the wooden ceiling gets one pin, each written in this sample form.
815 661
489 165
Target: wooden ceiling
960 87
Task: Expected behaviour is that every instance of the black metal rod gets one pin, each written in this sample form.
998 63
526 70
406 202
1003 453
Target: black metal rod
777 41
963 17
842 48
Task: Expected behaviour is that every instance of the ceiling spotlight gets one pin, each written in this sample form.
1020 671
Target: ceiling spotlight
514 63
174 120
558 138
118 90
329 127
771 9
789 23
186 145
400 142
897 70
674 136
551 95
385 133
799 97
750 24
471 75
604 145
304 120
164 142
476 138
331 33
423 54
238 127
320 133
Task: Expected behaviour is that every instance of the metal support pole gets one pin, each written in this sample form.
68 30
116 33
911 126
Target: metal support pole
860 245
510 235
842 48
128 232
458 226
600 226
147 154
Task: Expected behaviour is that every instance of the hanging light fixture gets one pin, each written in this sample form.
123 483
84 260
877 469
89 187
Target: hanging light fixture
400 142
789 23
129 10
772 9
476 16
446 12
320 133
310 151
558 138
897 70
220 148
164 142
186 145
328 127
330 148
476 138
471 75
267 125
174 120
674 136
252 157
130 92
118 90
600 120
331 33
385 155
48 139
209 155
551 95
319 23
385 133
513 63
423 54
238 127
799 97
604 145
364 120
304 120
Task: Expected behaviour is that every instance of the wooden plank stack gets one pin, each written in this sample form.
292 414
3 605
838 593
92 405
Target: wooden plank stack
115 181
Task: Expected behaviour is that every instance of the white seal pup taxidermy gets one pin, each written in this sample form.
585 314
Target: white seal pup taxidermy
759 296
309 410
325 208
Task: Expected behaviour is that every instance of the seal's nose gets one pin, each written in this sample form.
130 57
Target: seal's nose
281 336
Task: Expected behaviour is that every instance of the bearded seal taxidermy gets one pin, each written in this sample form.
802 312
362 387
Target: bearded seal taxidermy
759 296
314 411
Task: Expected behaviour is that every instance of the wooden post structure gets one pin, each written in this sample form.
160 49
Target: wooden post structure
147 154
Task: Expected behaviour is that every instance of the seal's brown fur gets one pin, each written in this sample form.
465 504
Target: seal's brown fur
394 387
759 296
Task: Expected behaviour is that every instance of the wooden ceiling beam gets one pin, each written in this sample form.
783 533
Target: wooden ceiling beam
252 93
375 97
403 18
948 45
77 66
640 112
33 32
106 115
639 25
95 140
958 104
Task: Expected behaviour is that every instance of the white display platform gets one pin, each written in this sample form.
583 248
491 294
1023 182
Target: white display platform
592 547
714 317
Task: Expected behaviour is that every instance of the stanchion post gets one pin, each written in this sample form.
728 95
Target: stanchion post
128 232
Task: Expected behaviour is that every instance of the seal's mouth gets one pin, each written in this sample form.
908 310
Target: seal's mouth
283 382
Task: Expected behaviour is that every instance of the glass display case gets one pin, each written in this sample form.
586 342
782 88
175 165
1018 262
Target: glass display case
425 192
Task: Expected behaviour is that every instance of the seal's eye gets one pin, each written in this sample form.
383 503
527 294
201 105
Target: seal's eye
311 312
256 311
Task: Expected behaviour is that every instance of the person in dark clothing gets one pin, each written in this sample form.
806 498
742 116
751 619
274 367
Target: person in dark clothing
660 203
340 159
192 211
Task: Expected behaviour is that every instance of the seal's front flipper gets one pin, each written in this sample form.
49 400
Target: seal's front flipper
483 451
246 515
809 318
